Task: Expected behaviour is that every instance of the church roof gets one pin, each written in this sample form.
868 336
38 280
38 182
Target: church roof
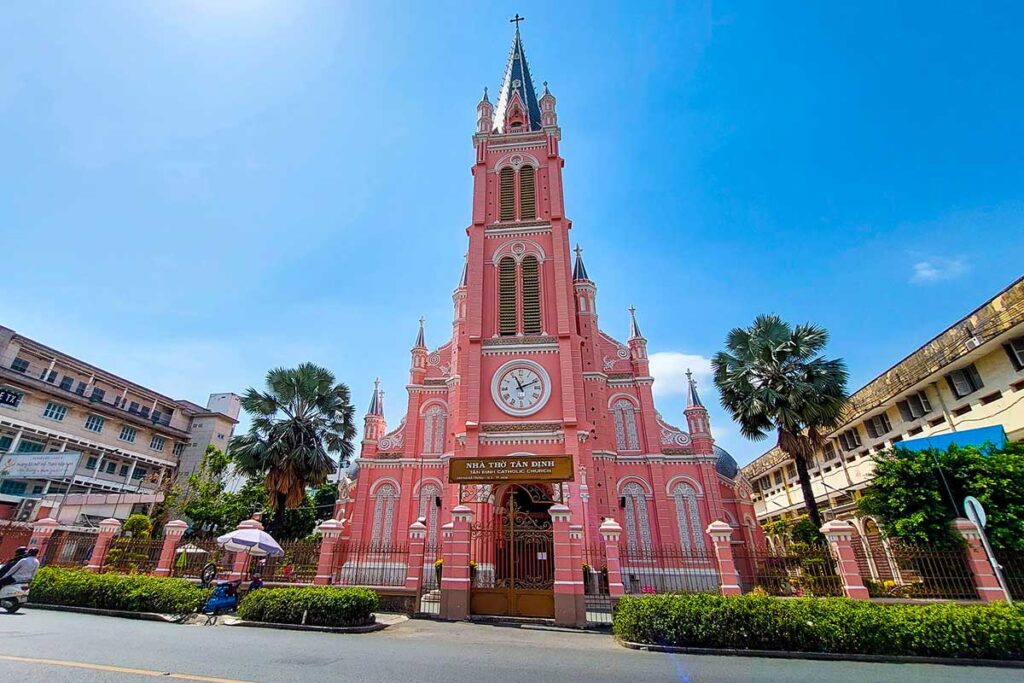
726 464
377 400
420 341
692 397
517 80
579 271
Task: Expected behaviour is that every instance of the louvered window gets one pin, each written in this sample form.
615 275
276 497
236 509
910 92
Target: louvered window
507 296
527 194
508 194
531 296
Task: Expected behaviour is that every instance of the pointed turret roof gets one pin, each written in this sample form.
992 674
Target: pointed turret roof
377 400
579 271
464 278
692 397
420 341
517 81
634 328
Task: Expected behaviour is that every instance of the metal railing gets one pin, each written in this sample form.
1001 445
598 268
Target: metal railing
370 565
930 573
297 565
668 569
811 572
133 555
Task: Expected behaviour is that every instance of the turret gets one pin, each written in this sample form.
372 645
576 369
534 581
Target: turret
484 114
586 290
418 370
697 418
548 117
374 426
637 346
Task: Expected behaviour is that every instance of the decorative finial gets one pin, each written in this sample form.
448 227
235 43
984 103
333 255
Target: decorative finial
546 91
515 20
422 319
376 384
634 329
689 376
578 250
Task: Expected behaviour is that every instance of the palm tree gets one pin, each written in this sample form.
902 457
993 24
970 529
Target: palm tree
772 378
301 419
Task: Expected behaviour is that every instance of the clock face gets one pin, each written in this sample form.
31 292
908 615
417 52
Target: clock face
521 387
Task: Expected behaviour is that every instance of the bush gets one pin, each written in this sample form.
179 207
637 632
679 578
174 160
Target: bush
823 625
132 592
321 605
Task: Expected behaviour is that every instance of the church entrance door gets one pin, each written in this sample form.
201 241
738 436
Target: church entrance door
512 563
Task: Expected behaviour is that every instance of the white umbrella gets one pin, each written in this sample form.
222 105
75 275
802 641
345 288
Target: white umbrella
256 542
190 549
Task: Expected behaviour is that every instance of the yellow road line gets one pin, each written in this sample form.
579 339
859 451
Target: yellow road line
118 669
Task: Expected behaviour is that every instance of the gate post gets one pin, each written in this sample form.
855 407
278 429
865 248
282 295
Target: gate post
455 581
985 581
610 533
330 534
839 534
570 608
721 536
108 529
173 531
414 572
42 531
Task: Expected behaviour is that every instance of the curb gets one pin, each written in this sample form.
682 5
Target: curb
124 614
826 656
366 628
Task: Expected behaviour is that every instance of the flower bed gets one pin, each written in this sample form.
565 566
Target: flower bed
834 625
128 592
312 606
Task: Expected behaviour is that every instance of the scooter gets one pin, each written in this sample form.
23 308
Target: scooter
13 596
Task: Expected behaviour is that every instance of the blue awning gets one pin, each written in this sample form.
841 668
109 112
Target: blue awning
994 435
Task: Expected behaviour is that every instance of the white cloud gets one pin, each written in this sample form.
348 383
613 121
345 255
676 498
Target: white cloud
669 371
936 269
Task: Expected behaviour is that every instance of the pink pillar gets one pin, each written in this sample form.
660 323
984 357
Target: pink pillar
985 580
455 581
721 536
330 535
414 572
108 529
570 609
173 531
240 564
839 534
610 534
42 531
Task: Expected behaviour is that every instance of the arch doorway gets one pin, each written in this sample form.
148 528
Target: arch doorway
512 562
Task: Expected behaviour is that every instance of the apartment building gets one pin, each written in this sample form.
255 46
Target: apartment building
131 439
964 386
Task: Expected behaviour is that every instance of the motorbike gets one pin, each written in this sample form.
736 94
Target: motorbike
13 596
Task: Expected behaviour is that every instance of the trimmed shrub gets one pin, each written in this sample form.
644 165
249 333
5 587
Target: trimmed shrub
313 606
130 592
823 625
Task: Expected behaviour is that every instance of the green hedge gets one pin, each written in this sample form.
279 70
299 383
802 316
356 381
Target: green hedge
823 625
131 592
321 605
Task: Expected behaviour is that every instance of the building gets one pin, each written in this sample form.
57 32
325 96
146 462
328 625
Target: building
529 403
965 386
131 438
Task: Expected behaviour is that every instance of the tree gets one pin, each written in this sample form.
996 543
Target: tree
203 501
910 499
298 423
771 377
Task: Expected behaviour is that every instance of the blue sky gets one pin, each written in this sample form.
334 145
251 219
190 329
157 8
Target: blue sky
193 192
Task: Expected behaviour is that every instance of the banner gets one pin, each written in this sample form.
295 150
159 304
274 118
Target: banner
39 465
514 468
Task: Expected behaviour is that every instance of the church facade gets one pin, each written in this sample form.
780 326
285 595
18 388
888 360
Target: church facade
528 373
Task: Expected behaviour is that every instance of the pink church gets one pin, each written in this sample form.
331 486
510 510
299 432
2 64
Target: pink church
527 379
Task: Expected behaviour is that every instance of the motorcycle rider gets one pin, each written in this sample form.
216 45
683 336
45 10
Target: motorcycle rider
23 571
19 553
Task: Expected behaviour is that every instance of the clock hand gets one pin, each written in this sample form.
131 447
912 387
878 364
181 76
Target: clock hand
517 382
523 386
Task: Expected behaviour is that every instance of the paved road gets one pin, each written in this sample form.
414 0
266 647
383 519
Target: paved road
81 647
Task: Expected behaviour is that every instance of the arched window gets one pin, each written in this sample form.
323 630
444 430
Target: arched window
430 512
691 535
624 413
527 194
507 296
531 295
433 430
385 497
508 194
638 527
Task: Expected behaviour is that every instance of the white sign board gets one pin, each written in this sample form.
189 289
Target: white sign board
974 511
39 465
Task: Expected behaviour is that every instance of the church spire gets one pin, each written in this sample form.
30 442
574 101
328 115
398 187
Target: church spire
517 106
579 271
692 397
420 341
377 400
634 328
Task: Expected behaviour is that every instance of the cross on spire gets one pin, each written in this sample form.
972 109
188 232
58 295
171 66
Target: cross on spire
516 19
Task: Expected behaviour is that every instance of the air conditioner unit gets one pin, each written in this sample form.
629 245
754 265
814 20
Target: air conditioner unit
26 510
973 342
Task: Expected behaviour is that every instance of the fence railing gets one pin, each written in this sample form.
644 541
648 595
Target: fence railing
430 587
1013 571
68 549
133 555
191 556
596 596
668 569
297 565
928 573
370 565
810 572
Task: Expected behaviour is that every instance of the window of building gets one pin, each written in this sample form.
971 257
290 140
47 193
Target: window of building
156 416
67 382
220 436
49 376
507 296
94 423
527 194
157 443
626 435
386 499
5 443
37 490
55 411
850 439
27 446
128 434
139 473
80 389
430 512
91 462
691 536
110 467
638 526
531 295
133 407
97 394
10 398
178 449
434 430
964 381
508 194
13 488
877 425
124 470
829 451
19 365
914 406
1015 350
